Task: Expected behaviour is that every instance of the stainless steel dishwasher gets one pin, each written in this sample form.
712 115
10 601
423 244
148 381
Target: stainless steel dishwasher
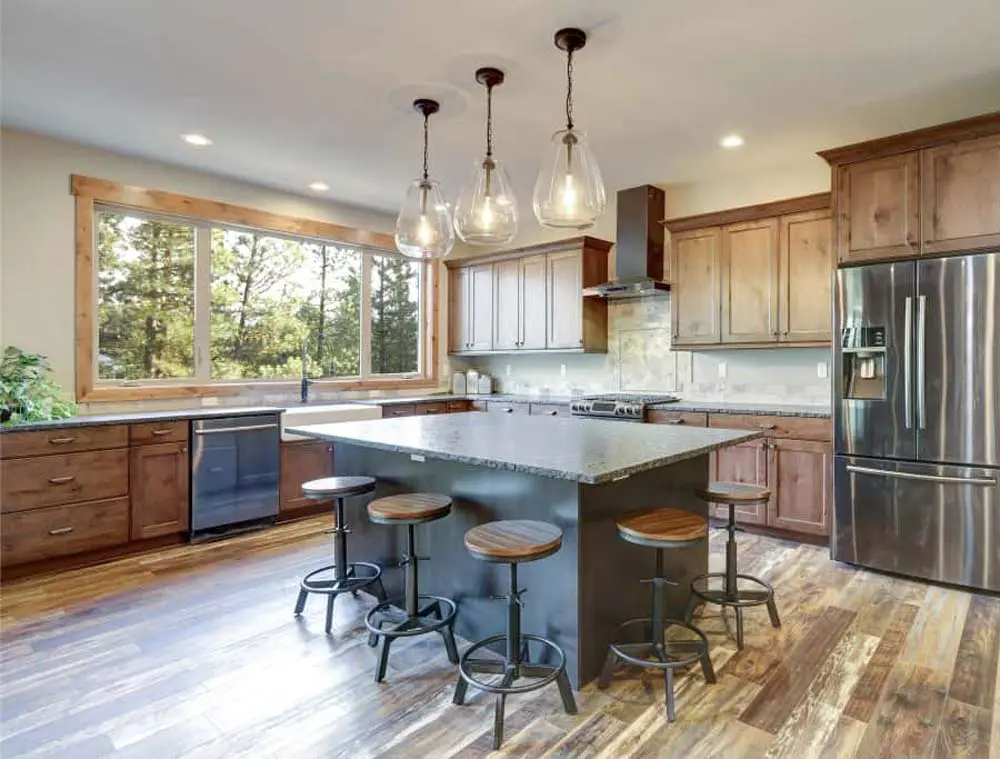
234 472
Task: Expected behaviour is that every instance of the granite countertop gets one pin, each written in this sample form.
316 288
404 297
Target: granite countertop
137 417
589 451
739 407
443 397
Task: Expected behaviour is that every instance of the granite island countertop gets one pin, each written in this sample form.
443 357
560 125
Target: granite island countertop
589 451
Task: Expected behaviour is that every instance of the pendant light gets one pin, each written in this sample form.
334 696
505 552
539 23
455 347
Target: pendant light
569 193
423 228
486 211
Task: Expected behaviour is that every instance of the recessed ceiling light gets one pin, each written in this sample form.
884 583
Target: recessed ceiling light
198 140
319 186
731 141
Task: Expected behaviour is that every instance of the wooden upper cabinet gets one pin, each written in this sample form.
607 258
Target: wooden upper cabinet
960 195
509 304
878 212
805 277
800 474
695 274
534 297
458 310
159 489
565 299
481 308
750 282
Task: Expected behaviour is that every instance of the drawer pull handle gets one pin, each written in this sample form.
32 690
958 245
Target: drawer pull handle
61 531
508 411
676 421
157 433
553 413
61 440
766 426
61 480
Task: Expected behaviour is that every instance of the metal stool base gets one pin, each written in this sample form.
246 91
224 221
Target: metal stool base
510 673
667 655
737 598
351 582
436 616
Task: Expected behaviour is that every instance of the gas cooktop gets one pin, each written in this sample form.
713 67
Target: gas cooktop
629 407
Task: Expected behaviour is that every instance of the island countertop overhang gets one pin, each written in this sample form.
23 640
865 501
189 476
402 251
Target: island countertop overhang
588 451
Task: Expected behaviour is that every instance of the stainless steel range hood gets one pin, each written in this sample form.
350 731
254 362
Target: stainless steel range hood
638 248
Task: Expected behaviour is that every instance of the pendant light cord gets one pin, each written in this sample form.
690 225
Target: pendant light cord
489 121
426 119
569 89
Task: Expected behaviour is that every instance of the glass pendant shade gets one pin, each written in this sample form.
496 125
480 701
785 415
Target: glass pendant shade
486 211
423 228
569 193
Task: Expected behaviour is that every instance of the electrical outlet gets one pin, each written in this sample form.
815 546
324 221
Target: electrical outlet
562 370
722 370
821 370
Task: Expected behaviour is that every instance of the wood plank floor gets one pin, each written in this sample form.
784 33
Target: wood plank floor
194 652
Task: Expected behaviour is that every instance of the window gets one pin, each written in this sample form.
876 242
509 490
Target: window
202 301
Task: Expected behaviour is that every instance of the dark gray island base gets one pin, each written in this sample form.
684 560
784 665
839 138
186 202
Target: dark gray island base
578 474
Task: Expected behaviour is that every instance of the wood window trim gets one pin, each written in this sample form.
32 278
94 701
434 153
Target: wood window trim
89 192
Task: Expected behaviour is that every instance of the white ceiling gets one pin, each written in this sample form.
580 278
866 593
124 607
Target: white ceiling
301 90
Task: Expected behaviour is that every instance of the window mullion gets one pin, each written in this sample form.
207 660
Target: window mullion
366 314
202 302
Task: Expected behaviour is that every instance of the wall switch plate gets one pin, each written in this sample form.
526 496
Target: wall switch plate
562 370
722 370
821 370
417 457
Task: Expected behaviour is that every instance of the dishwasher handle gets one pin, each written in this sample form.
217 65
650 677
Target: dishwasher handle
242 428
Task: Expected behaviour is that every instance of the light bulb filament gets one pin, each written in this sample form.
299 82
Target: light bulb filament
486 214
425 235
568 196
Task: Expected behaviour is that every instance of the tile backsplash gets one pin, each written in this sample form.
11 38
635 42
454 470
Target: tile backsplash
640 357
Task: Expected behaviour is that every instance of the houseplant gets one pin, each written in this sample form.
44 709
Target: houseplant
27 391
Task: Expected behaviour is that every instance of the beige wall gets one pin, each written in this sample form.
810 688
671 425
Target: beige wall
37 219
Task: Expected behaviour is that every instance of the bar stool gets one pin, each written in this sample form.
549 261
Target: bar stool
661 529
512 542
733 494
438 615
341 576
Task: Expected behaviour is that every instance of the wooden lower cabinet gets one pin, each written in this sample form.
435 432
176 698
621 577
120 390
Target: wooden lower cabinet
800 474
63 530
301 461
160 492
747 463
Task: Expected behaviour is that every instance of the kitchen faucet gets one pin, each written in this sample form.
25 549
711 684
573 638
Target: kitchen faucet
304 388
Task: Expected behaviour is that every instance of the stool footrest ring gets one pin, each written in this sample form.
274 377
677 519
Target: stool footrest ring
670 654
740 597
469 666
348 584
404 626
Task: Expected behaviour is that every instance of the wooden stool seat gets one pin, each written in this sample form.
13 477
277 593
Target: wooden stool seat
407 508
734 493
333 487
663 528
513 540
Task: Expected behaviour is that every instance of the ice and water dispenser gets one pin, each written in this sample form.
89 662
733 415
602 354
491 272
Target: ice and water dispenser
864 353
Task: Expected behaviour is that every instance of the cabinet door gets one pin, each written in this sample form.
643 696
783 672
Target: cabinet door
458 311
750 282
565 300
694 287
801 478
301 461
806 274
744 462
158 477
481 307
534 296
877 209
507 322
960 188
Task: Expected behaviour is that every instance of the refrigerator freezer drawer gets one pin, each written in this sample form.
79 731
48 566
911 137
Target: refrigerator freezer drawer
929 521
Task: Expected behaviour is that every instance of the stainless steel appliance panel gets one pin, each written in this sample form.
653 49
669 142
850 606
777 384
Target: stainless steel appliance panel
957 360
234 470
923 520
876 296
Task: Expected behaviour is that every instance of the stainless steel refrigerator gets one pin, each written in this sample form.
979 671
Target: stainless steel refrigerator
917 418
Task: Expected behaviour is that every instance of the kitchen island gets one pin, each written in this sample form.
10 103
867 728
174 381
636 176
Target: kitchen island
580 474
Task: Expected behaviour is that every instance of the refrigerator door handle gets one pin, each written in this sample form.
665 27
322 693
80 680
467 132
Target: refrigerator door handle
907 362
921 354
981 481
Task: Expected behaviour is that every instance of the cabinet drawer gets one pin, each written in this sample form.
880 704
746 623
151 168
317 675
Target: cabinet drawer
478 406
457 406
406 409
62 440
801 428
159 432
428 409
496 407
686 418
66 478
62 530
548 409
